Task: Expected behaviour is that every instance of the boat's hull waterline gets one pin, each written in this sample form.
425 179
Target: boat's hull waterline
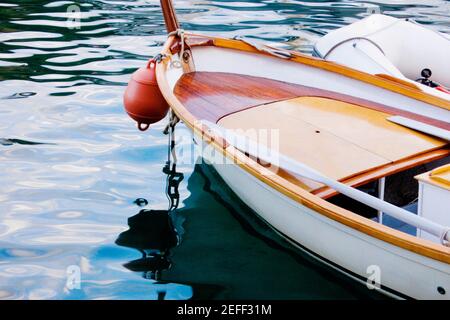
216 80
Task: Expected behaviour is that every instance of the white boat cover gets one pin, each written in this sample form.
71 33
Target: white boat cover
381 44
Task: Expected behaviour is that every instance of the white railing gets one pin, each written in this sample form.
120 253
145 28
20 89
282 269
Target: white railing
268 155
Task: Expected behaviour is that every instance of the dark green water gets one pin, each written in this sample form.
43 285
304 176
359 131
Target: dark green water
72 163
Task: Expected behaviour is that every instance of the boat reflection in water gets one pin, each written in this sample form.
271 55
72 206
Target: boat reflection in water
218 249
153 233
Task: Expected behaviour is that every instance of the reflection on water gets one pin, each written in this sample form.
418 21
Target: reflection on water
223 251
152 232
9 142
74 169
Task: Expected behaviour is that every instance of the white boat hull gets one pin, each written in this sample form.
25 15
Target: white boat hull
402 273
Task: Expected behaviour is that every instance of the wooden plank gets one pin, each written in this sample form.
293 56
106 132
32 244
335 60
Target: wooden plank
304 142
400 81
213 95
170 17
339 139
364 127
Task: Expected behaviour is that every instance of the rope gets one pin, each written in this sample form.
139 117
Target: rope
180 34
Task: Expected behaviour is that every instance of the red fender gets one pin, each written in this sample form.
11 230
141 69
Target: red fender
143 99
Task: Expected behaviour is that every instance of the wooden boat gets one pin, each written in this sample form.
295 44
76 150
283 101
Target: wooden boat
334 135
392 47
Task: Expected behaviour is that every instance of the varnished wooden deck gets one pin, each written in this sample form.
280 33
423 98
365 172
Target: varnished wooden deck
347 138
213 95
337 138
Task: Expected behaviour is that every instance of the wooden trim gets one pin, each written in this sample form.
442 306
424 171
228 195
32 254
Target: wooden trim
439 177
398 80
296 193
392 168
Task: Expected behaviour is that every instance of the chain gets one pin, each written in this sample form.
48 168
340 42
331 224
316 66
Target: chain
174 178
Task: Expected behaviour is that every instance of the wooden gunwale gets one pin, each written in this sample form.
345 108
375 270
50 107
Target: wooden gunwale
320 206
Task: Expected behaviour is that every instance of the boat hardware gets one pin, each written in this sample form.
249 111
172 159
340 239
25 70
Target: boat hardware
426 81
174 178
159 57
184 55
